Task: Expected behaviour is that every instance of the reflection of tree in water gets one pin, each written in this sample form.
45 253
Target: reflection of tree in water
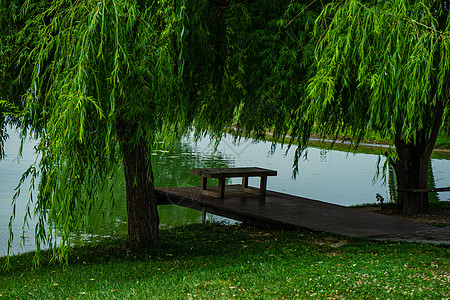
171 169
392 183
432 197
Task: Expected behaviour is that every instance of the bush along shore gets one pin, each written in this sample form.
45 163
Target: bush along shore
237 262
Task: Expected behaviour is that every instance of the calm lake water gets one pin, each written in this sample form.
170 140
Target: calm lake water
328 175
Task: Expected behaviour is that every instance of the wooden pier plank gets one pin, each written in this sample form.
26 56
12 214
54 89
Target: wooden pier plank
285 210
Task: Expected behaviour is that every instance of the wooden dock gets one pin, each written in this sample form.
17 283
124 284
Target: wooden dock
288 211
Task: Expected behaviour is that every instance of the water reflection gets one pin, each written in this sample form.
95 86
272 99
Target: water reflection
392 183
11 170
432 197
171 167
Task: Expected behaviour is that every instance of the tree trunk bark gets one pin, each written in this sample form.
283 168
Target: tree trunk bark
143 219
411 166
411 171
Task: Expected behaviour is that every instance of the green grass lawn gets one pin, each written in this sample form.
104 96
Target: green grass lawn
443 141
234 262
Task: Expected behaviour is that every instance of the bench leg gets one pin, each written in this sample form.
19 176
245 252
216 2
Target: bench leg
244 183
203 181
262 187
221 192
204 215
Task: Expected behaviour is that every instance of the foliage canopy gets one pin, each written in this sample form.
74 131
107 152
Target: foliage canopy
382 66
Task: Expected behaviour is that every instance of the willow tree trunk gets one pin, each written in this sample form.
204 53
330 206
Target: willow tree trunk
411 166
411 169
143 219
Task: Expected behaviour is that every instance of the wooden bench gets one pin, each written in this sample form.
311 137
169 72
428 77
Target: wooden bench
223 173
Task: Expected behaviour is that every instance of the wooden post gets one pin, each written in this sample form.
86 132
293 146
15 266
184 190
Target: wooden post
204 215
203 181
244 183
262 186
221 192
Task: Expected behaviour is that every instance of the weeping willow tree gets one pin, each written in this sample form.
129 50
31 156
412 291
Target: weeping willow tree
383 66
99 82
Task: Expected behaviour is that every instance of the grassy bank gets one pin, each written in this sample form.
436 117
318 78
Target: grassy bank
370 144
437 214
220 262
443 141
